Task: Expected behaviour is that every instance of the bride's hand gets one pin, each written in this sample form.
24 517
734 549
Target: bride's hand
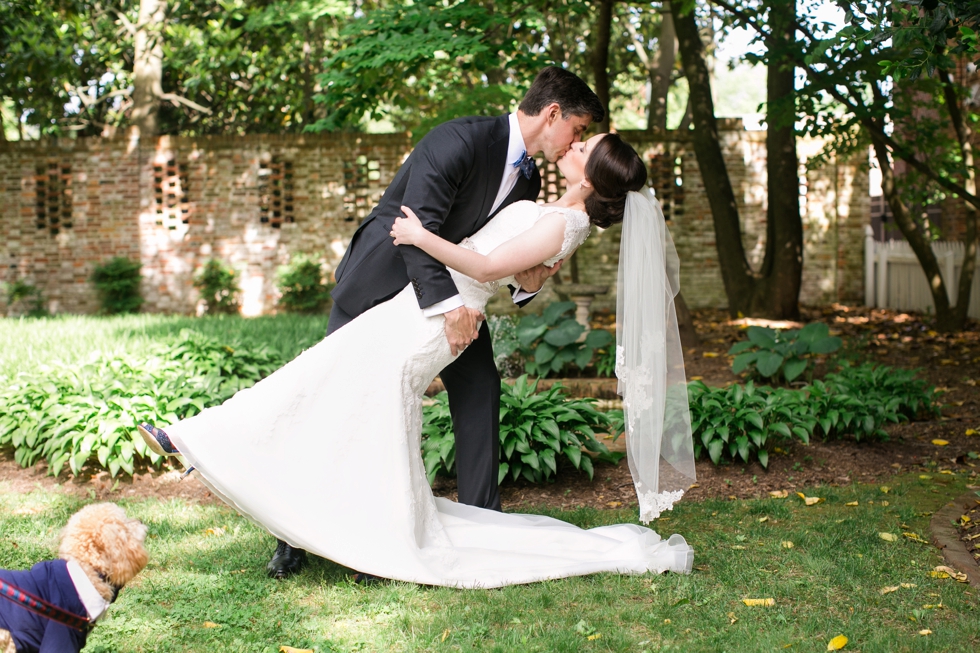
407 230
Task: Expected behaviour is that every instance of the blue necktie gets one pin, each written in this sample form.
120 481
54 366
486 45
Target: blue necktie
525 163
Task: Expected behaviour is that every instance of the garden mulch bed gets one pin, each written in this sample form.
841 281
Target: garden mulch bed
902 340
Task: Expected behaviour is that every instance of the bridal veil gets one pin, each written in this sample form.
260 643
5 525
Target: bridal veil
650 359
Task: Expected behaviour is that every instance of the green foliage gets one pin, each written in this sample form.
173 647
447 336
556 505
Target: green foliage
25 298
217 284
536 430
409 61
549 341
118 283
769 353
746 422
77 414
743 422
303 286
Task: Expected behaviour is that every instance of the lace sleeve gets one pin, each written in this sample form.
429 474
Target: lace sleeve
577 229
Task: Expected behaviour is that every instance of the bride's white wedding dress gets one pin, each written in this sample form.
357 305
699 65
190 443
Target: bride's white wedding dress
325 454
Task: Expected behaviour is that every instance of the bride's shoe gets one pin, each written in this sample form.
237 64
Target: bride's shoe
157 440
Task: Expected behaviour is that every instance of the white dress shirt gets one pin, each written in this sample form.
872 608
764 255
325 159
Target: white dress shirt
515 148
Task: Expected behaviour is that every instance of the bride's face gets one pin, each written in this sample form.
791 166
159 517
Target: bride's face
572 165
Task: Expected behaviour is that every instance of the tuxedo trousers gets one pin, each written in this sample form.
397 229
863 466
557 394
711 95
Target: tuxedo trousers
473 385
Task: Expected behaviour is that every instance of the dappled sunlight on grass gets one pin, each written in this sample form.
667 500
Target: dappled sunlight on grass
206 588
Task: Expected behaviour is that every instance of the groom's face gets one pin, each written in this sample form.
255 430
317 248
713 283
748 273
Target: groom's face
561 132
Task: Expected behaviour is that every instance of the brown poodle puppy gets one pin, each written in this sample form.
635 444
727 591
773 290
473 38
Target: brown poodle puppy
101 550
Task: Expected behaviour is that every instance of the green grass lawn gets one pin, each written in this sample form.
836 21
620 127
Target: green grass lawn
27 343
205 587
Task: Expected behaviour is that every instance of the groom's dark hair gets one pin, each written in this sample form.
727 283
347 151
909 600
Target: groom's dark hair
574 96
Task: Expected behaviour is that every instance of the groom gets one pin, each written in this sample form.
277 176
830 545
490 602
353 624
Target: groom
458 177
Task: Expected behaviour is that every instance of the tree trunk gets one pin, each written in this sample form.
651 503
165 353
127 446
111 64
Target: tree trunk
600 59
148 67
736 274
964 136
916 236
660 78
782 269
3 129
774 291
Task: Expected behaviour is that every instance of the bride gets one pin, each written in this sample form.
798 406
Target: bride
352 406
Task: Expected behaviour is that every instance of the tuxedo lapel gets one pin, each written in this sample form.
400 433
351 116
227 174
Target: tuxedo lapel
496 160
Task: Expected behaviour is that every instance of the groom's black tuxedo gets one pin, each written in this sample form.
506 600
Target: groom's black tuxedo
450 180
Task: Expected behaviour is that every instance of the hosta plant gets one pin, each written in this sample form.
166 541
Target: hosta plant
71 415
745 421
550 341
537 429
770 353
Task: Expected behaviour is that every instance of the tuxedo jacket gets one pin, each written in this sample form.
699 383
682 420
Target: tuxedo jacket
450 180
33 633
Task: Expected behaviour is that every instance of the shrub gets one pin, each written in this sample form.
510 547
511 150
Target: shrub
74 414
741 422
770 353
217 285
24 298
549 341
536 428
118 283
302 286
745 422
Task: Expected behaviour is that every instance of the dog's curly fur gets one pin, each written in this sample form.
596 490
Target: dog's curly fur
106 544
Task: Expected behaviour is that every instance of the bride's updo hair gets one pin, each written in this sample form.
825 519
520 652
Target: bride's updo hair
614 168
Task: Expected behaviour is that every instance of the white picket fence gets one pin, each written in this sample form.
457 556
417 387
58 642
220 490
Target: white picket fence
893 277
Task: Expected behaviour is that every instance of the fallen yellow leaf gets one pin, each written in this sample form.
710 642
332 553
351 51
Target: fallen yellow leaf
738 547
614 504
810 501
211 624
764 519
924 477
907 586
925 631
939 574
732 618
692 486
946 471
933 606
940 443
759 603
710 354
915 538
884 503
888 537
851 503
964 518
837 643
885 489
971 431
950 573
290 649
779 494
787 544
445 634
594 637
889 590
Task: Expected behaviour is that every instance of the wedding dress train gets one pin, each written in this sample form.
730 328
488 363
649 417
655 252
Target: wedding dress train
337 431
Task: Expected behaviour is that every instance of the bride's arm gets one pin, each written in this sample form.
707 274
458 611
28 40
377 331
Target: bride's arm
532 247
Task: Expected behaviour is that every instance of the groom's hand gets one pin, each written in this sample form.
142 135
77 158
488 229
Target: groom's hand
533 279
462 327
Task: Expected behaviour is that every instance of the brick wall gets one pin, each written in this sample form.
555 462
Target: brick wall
68 205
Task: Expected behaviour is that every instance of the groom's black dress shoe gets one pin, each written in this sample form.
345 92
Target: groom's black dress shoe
286 561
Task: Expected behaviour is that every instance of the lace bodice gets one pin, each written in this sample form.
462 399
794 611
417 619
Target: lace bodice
509 223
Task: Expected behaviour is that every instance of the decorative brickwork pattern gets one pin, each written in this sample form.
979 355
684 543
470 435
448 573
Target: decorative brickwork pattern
52 186
173 203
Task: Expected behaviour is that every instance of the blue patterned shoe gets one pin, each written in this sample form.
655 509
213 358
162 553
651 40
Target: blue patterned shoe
157 440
